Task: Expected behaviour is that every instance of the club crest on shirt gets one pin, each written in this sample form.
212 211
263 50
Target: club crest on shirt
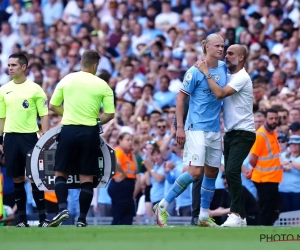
195 157
217 77
25 104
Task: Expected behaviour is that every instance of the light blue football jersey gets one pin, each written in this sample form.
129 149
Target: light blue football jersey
204 108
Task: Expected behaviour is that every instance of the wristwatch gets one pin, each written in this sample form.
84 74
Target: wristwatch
208 76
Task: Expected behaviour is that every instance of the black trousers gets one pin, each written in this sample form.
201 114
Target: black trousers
121 194
237 145
269 203
196 196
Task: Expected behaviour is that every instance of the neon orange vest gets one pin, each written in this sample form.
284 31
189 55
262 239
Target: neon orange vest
268 167
126 163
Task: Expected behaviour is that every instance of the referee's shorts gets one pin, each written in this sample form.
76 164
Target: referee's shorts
16 147
78 150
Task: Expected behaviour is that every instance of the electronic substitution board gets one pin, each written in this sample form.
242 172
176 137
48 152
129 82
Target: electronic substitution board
41 160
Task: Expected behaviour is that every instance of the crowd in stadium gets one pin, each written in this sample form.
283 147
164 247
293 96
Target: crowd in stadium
146 46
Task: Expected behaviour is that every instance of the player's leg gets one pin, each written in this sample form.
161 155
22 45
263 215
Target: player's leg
16 170
85 198
238 145
28 143
194 156
211 169
64 160
88 166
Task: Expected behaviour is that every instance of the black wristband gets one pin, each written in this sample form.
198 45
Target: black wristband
1 139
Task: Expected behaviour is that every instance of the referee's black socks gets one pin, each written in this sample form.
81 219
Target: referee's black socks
39 199
61 191
85 200
20 199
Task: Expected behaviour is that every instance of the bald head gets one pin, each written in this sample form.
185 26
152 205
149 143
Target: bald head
236 56
240 50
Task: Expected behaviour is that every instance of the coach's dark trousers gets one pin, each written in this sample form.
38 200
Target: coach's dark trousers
121 194
237 145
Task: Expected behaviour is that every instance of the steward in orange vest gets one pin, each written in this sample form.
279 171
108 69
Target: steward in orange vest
267 170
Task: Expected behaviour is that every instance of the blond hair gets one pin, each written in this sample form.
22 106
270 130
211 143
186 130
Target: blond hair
208 39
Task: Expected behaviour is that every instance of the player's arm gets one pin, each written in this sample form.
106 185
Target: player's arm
41 102
180 108
215 88
57 98
108 105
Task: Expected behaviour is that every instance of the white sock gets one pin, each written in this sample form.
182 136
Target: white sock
163 204
204 213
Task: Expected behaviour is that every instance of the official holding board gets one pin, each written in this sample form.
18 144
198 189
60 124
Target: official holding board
21 100
78 143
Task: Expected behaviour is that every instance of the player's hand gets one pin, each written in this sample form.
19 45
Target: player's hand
96 208
202 66
180 136
248 174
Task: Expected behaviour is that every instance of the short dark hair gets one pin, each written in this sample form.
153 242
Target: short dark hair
129 65
21 57
90 58
271 111
148 85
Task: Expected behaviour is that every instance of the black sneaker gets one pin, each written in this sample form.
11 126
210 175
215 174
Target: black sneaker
22 224
194 221
44 223
59 218
81 224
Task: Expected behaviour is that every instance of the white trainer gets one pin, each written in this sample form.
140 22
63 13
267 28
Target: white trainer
243 222
232 221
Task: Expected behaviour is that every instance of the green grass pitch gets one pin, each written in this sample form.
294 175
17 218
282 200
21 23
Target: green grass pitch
144 238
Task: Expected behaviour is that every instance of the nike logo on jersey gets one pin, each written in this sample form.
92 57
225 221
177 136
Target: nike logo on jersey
8 92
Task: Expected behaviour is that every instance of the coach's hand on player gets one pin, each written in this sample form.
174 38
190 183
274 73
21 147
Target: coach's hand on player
180 136
202 66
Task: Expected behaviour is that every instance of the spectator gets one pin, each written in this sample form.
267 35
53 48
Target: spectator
289 187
